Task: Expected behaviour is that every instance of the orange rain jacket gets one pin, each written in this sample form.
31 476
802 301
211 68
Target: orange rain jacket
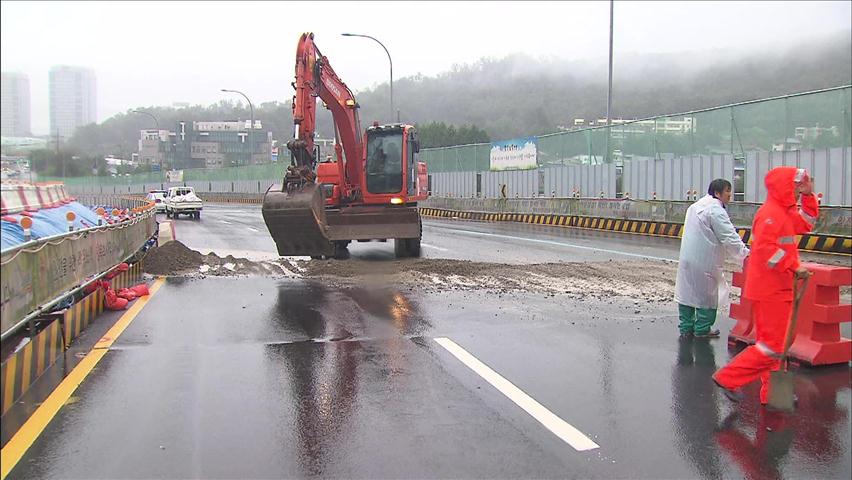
774 250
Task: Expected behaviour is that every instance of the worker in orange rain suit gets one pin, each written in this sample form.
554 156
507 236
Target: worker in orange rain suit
771 269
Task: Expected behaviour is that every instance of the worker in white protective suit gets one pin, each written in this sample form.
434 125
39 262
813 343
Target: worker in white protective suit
708 238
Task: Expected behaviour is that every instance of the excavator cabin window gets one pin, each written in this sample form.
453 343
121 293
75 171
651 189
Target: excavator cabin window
384 162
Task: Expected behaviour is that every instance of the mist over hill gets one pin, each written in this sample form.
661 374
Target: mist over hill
520 95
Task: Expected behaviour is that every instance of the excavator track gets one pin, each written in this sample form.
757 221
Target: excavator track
297 221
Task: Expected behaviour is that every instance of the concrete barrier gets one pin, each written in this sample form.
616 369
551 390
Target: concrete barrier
832 220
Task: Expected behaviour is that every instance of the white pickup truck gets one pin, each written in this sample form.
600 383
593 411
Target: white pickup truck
182 200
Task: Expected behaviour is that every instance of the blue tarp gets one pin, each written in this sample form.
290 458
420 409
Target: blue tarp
47 222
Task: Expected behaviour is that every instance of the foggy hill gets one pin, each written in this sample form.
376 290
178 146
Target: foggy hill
520 95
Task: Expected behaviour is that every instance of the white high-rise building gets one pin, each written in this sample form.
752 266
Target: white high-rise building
73 99
15 108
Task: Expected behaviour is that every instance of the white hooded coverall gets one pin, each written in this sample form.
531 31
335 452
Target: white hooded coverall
708 236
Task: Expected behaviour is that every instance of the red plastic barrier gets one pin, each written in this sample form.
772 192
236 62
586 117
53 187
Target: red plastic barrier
743 331
817 340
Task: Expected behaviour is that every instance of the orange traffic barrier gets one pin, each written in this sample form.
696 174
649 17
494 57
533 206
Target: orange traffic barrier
817 340
743 331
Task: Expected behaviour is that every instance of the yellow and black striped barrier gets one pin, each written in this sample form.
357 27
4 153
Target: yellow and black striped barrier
810 242
26 365
78 316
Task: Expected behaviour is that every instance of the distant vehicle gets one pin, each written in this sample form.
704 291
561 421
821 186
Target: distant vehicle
182 200
158 197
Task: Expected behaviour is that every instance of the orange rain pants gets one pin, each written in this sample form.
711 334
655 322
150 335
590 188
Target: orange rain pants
771 319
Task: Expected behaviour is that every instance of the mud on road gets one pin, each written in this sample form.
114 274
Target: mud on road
647 280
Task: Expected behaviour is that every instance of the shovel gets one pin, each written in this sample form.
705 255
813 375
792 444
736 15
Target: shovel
781 396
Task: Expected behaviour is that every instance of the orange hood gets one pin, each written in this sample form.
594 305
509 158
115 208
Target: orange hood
781 186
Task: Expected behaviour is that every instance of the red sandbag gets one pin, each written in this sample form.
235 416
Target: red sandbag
113 301
140 290
126 294
95 285
121 267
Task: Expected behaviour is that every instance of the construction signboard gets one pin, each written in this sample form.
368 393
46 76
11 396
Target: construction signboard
516 154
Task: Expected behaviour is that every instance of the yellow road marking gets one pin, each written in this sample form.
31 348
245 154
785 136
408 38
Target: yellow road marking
18 445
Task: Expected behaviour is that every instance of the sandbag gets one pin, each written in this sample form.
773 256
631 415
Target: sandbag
96 285
113 301
120 268
127 294
140 290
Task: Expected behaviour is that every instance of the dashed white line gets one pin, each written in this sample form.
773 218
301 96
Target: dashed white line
433 246
548 419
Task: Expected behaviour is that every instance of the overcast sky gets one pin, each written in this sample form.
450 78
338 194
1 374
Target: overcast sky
157 53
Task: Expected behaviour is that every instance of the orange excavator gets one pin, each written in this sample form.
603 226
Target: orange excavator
368 191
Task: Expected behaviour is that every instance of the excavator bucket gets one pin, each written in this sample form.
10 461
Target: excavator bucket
296 220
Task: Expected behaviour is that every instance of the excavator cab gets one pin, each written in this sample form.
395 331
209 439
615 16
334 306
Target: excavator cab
384 161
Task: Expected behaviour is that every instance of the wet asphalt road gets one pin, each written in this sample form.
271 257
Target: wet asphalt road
258 377
239 229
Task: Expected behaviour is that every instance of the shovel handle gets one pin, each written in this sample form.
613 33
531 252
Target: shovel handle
799 288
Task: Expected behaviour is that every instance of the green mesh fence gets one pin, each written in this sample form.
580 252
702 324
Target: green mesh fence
803 121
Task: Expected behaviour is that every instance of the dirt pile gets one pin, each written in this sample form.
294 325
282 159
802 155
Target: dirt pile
175 258
647 280
171 258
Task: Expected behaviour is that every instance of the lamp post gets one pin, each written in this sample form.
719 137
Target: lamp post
156 123
609 88
251 109
389 61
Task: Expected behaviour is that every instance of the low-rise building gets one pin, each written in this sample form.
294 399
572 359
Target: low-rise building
206 145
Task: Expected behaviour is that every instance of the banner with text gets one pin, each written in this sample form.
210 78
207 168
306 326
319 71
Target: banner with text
516 154
34 277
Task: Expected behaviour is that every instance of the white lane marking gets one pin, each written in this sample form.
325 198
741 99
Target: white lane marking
559 427
433 246
562 244
253 229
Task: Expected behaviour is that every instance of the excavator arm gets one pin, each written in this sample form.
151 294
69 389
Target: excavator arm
315 78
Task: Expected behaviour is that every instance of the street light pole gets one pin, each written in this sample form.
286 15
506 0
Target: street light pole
609 88
251 109
156 123
389 61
